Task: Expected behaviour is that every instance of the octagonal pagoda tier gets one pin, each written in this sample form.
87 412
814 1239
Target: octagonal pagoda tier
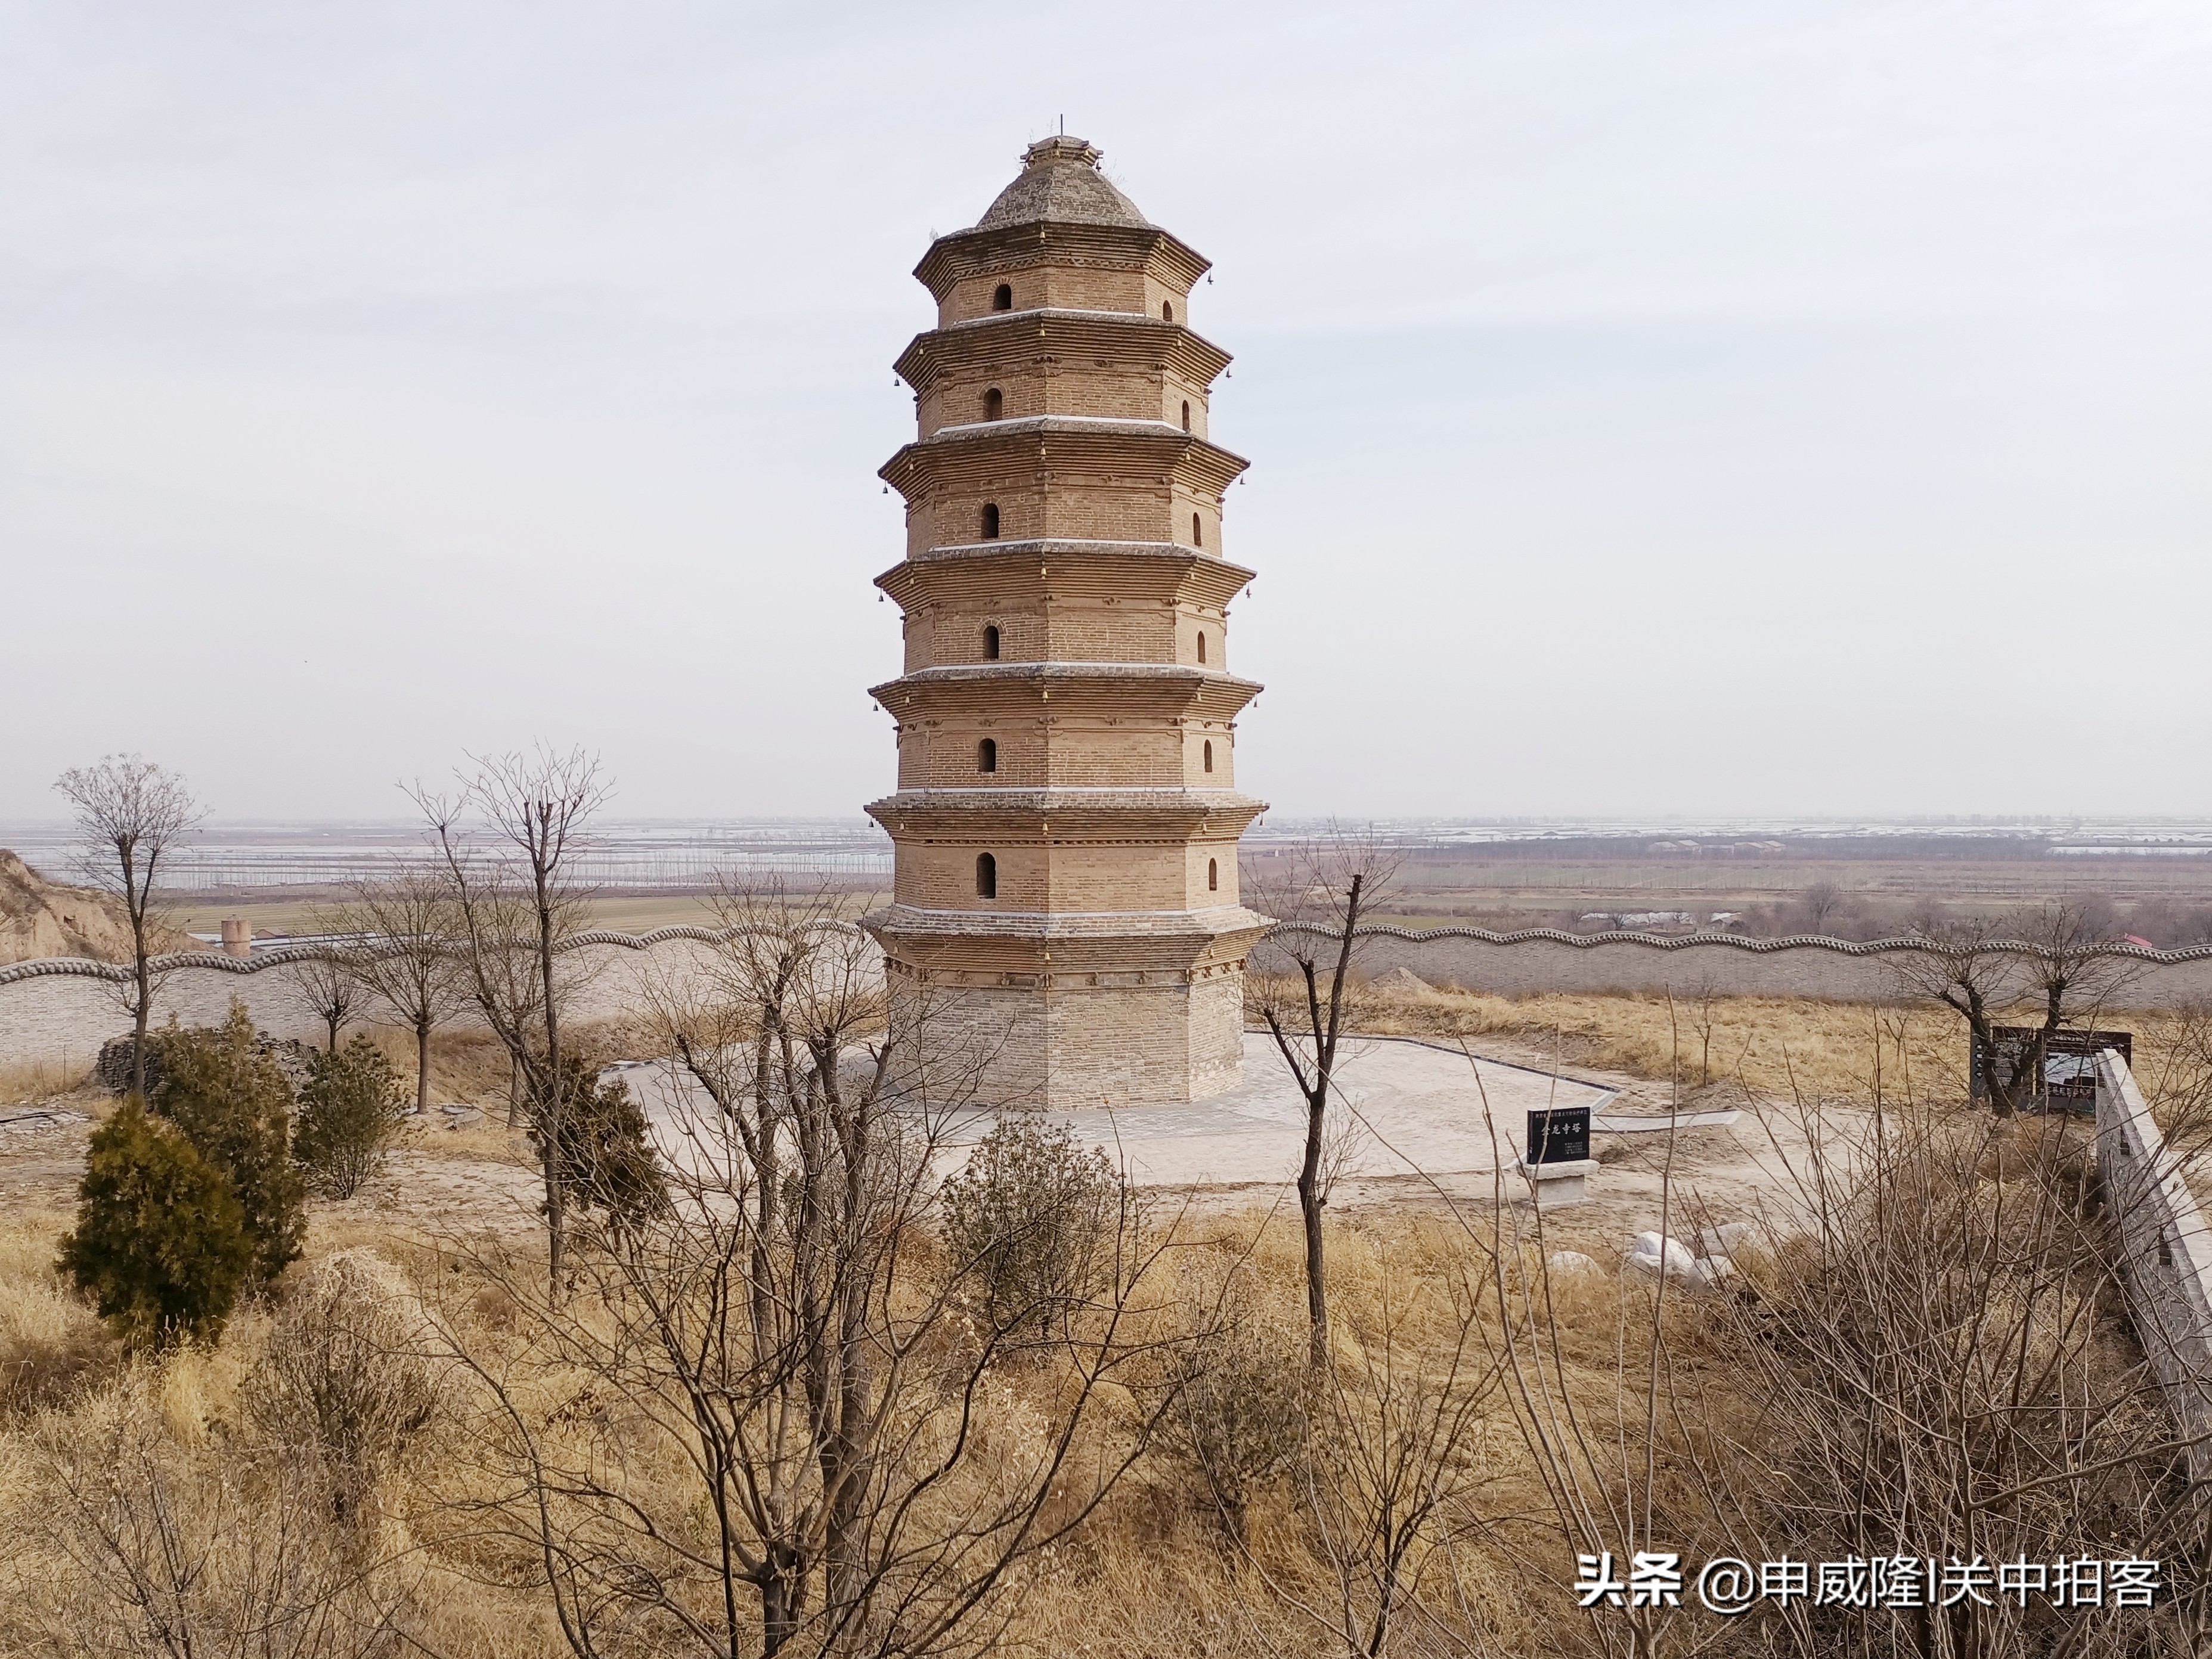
1066 818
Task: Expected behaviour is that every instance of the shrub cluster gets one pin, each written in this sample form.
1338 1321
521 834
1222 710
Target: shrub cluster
602 1156
233 1102
182 1208
1026 1220
351 1109
344 1382
161 1242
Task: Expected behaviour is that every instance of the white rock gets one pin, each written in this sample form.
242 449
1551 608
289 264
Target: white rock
1652 1253
1742 1236
1570 1261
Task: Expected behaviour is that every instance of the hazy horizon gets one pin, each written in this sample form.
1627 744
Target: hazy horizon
1734 412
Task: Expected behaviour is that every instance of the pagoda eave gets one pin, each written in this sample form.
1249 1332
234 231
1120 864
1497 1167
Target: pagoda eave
1133 691
1105 446
1228 921
1069 814
966 253
1009 338
1207 577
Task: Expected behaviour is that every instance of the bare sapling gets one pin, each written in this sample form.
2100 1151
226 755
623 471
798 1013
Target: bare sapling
1318 901
1240 1422
785 1432
1392 1481
130 814
410 924
510 842
328 982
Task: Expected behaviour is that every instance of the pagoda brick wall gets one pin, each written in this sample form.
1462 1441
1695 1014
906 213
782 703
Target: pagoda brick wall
1053 908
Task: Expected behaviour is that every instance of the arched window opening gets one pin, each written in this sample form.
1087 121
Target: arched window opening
1186 414
1209 754
990 521
1197 532
994 404
987 876
987 755
1004 298
1167 311
990 643
1213 875
1201 648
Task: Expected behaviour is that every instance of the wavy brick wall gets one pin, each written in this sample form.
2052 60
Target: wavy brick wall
62 1009
1537 959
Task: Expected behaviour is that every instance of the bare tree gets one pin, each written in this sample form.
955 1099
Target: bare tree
2062 960
1704 1017
1390 1478
130 813
508 841
1950 1385
327 982
2078 959
410 922
1318 902
784 1344
1821 903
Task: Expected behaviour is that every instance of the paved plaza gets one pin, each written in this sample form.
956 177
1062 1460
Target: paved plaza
1411 1107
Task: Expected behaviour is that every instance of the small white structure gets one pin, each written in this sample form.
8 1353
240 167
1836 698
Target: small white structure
1555 1185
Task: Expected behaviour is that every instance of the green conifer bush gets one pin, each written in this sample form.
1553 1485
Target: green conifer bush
351 1109
603 1157
161 1242
233 1103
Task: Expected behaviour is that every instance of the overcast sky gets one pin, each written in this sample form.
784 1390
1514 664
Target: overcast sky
1697 407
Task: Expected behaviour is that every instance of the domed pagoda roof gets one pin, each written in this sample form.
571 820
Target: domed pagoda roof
1060 182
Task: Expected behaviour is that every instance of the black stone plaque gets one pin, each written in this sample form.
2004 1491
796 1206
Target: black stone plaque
1560 1135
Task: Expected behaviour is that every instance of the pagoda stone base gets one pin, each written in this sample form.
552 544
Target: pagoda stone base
1065 1042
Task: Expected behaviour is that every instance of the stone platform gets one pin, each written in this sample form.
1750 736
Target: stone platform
1410 1108
1414 1108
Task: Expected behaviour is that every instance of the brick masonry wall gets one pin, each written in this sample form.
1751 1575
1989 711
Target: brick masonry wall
1072 1048
1037 284
1125 392
1148 619
2166 1254
53 1012
1169 875
1538 960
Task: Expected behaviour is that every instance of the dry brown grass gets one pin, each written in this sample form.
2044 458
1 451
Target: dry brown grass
1777 1046
1155 1573
44 1080
50 1340
189 1430
1772 1045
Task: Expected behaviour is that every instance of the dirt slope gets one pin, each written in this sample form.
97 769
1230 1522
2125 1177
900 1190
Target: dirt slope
43 918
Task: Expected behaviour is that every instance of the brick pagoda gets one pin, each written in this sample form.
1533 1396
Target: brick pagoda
1066 817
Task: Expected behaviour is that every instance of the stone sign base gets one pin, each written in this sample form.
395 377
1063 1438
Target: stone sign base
1555 1185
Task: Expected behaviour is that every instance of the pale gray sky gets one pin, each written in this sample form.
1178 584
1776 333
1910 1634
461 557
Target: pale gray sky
1706 407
